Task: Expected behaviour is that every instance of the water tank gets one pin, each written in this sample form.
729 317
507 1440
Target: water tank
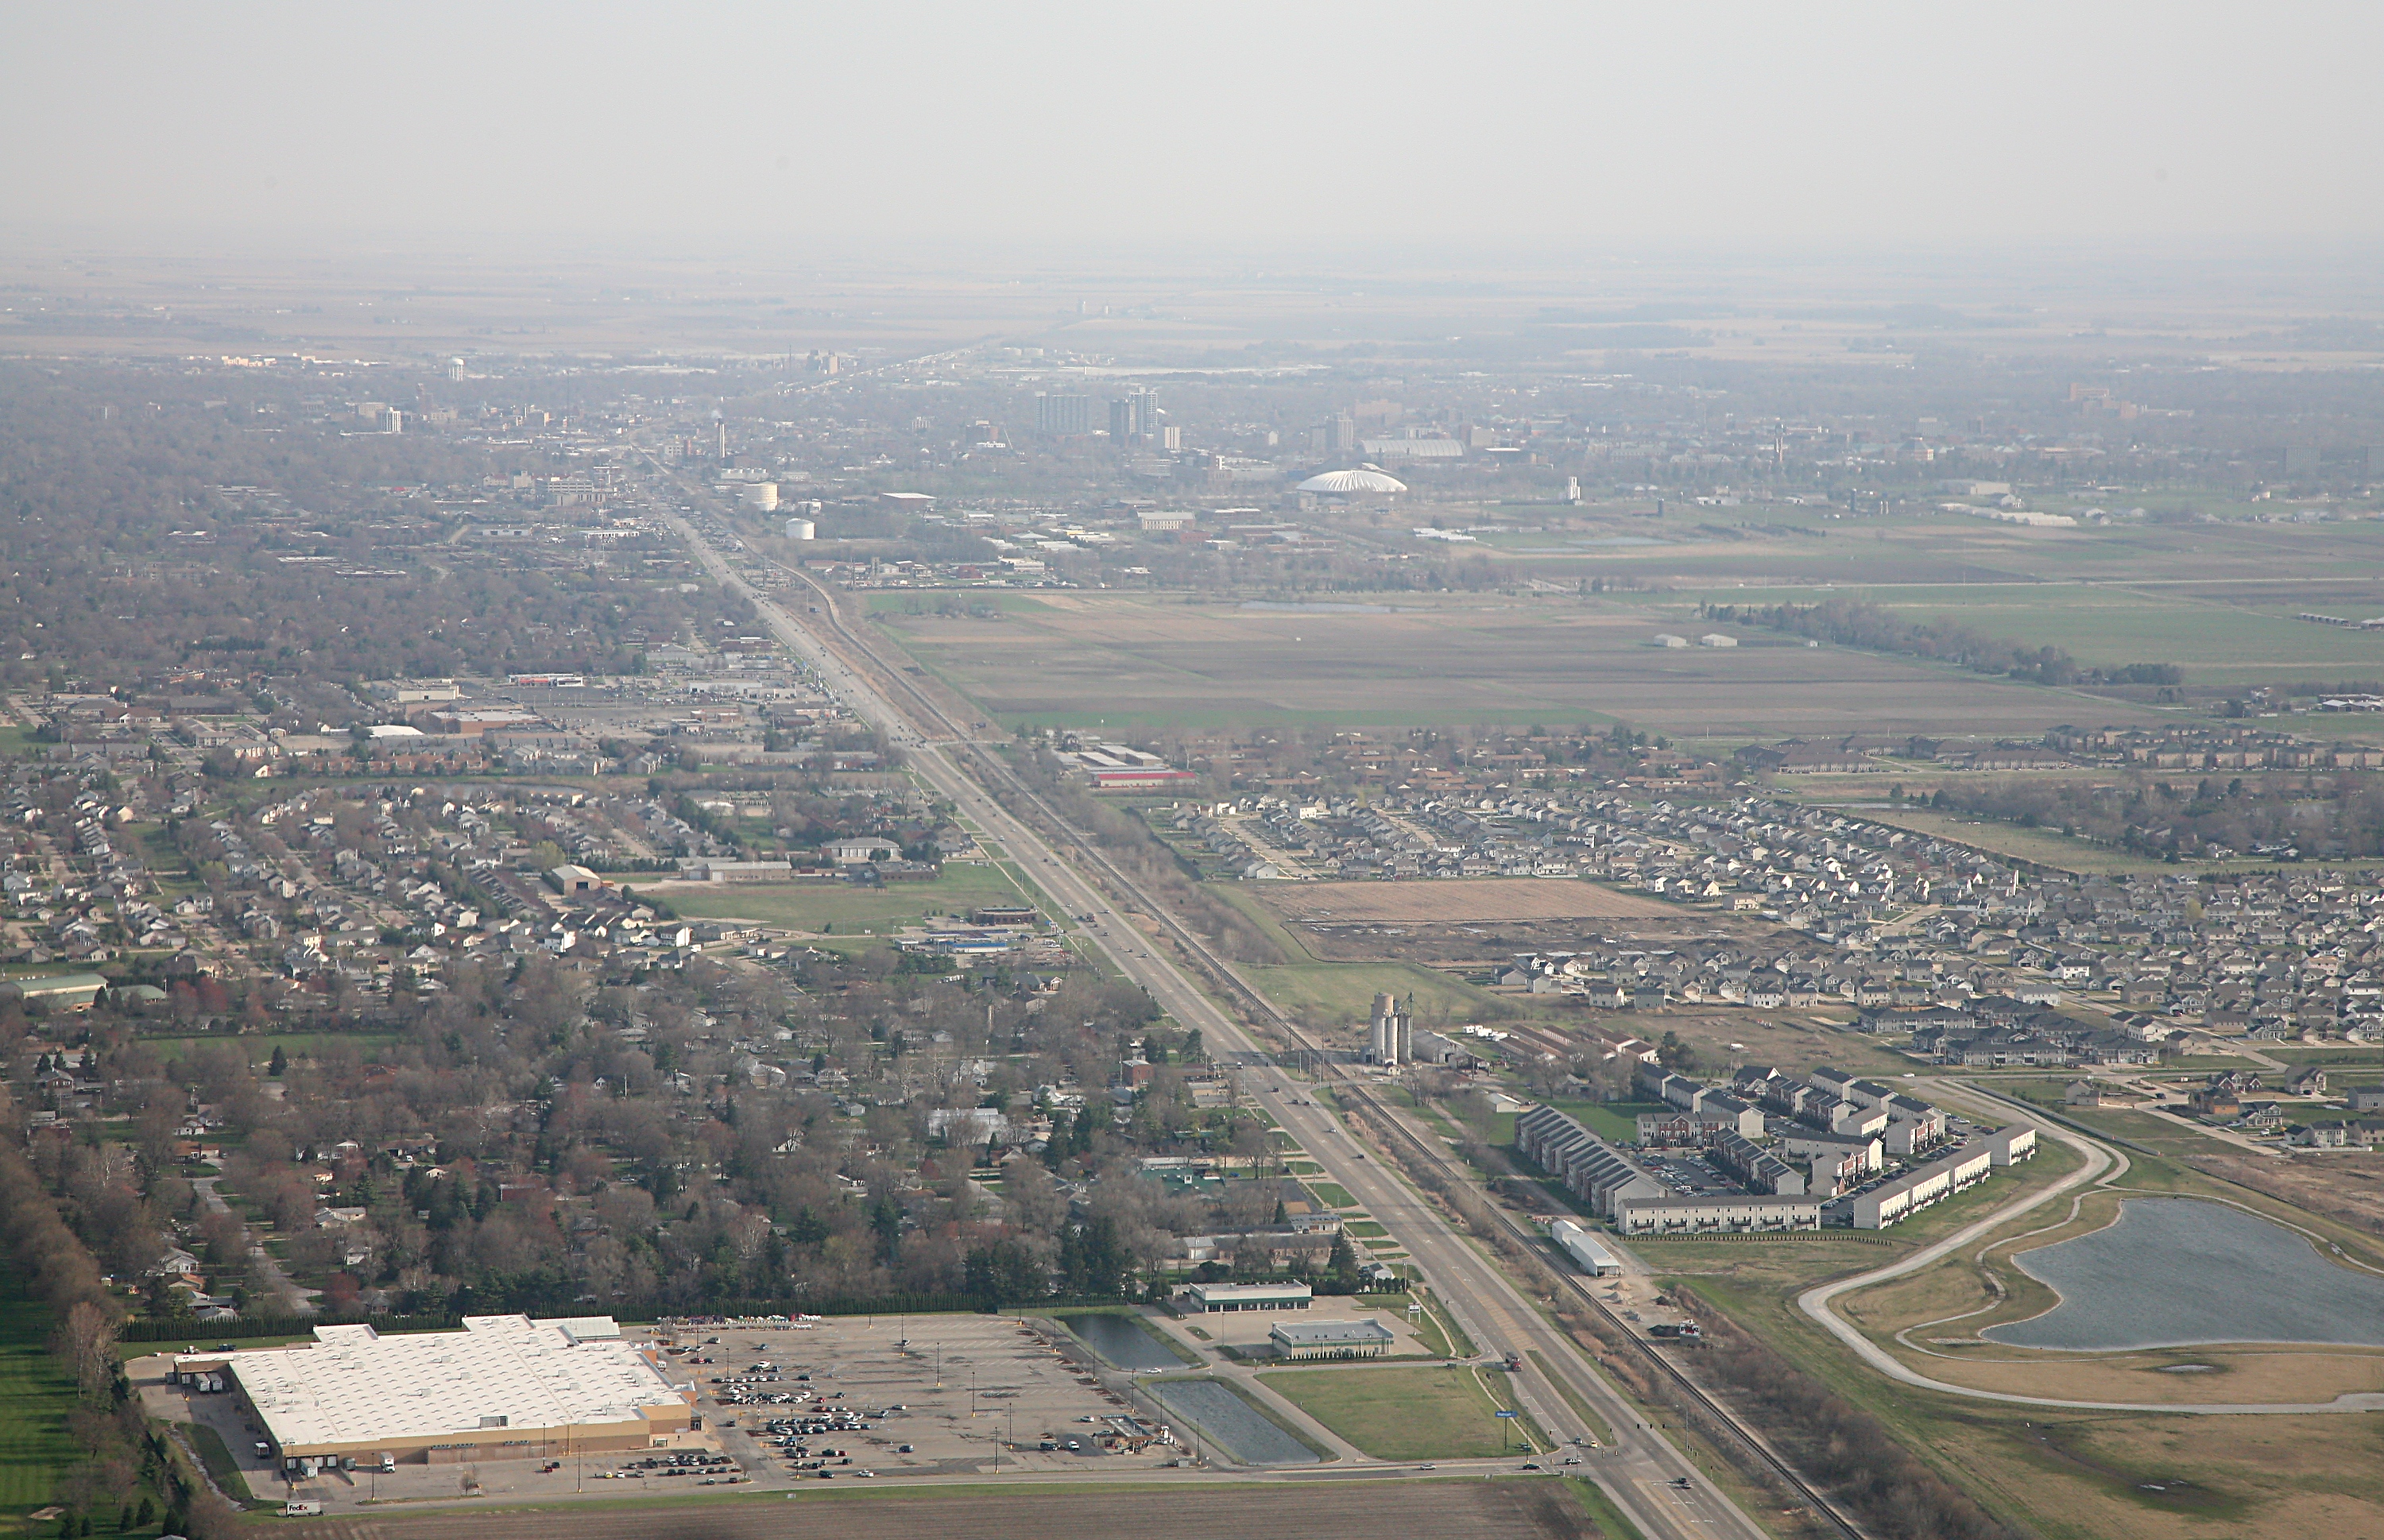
761 496
800 530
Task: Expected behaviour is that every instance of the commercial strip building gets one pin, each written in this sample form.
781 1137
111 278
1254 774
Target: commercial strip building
1889 1202
1675 1215
1330 1339
1212 1298
504 1387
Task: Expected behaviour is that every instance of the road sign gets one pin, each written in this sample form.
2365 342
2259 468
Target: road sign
1505 1414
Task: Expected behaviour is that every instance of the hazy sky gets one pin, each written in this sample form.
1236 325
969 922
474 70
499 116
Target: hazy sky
1537 130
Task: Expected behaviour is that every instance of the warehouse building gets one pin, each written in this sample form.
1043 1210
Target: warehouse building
1583 1249
1678 1215
504 1387
1889 1202
1330 1339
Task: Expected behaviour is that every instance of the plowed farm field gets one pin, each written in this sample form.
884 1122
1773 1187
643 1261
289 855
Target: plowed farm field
1455 902
1188 1509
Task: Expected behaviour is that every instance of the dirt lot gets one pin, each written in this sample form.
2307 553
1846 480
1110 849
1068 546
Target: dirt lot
1523 1509
1473 901
1491 943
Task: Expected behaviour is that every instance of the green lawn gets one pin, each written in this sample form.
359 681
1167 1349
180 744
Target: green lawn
864 910
35 1396
218 1460
1616 1122
1454 1343
1332 1194
1402 1413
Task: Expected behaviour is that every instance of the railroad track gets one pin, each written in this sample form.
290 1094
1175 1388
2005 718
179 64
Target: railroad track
1258 1007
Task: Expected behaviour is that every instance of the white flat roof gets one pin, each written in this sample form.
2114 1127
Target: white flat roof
354 1386
1313 1333
1252 1291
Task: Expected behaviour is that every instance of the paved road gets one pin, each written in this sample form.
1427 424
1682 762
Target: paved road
1638 1469
296 1300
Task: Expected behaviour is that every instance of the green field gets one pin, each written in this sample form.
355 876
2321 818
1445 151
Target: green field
2199 626
1402 1413
1129 663
1330 994
1615 1121
36 1395
849 910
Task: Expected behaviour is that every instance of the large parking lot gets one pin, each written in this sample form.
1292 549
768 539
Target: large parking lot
924 1395
854 1398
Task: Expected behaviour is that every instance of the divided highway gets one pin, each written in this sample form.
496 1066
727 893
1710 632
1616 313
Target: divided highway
1639 1468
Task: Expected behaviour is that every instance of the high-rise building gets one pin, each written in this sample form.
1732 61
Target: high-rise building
1391 1041
1342 434
1059 414
720 441
455 369
392 420
1128 417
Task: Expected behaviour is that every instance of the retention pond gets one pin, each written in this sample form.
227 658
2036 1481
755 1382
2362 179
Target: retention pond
2184 1273
1226 1419
1122 1340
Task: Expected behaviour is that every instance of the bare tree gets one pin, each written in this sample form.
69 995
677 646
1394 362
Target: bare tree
87 1343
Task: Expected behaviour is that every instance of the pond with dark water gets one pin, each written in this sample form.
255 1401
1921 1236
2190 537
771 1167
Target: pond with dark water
2184 1273
1226 1419
1122 1340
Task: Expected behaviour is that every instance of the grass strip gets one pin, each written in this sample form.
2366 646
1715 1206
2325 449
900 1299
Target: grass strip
1602 1511
1454 1341
216 1458
1599 1427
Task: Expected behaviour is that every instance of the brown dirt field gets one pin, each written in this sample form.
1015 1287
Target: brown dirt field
2271 1377
1467 901
2348 1187
1321 1510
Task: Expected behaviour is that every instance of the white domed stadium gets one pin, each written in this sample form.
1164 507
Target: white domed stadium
1365 478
